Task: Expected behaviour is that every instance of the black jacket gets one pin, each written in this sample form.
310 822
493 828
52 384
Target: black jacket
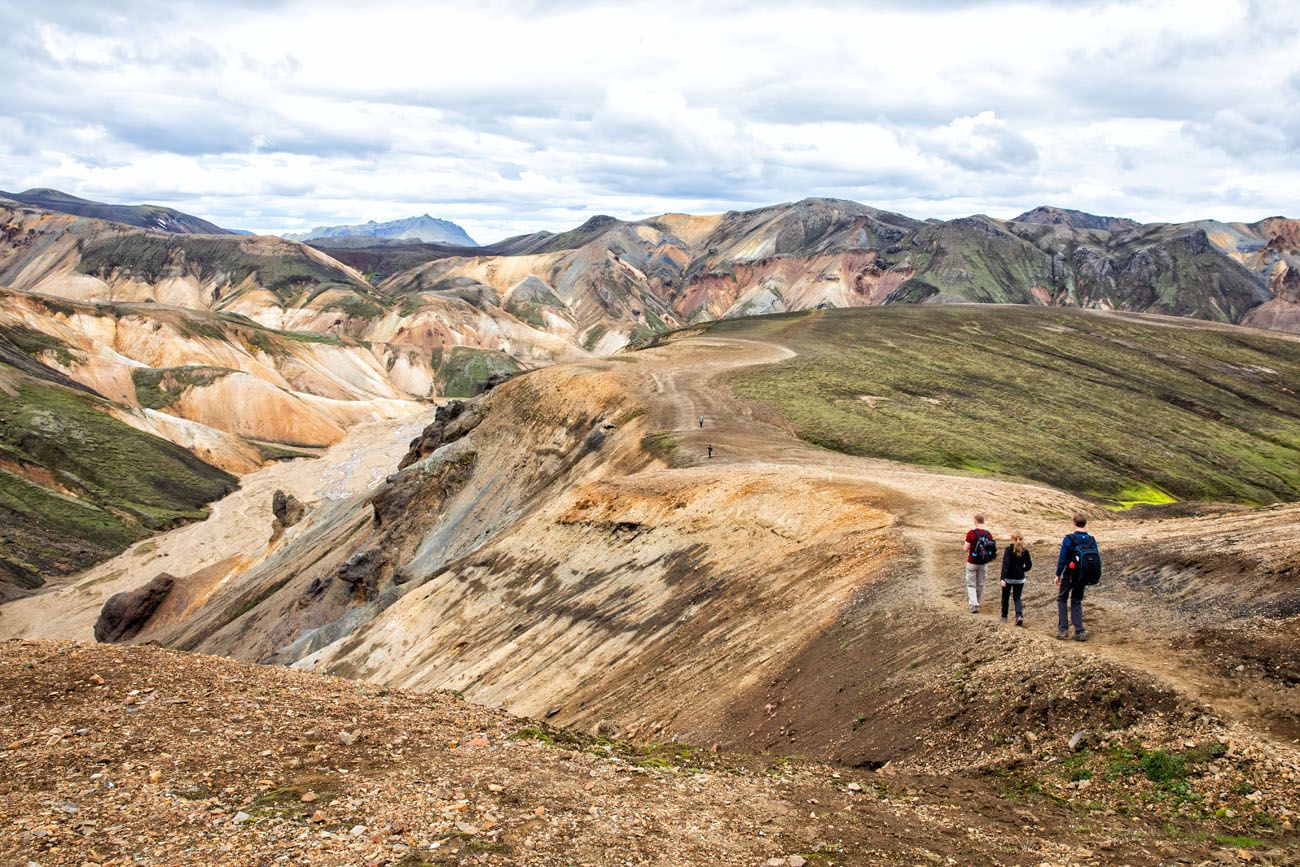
1013 567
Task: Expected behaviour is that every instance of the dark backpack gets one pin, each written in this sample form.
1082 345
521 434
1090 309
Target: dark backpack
985 548
1087 559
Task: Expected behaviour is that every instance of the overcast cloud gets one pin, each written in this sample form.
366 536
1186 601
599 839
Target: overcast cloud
512 117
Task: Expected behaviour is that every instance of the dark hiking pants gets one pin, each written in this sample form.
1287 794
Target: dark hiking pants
1013 591
1069 597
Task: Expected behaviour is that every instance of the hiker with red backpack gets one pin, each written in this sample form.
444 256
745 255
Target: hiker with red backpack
1077 568
981 549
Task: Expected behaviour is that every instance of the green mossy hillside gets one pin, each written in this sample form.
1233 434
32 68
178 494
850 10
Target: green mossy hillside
1124 409
461 370
159 388
77 485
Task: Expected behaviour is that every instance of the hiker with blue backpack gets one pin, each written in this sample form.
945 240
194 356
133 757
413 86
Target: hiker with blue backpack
981 549
1077 568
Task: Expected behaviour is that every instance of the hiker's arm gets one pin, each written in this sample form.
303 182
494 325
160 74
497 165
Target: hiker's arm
1063 558
1029 561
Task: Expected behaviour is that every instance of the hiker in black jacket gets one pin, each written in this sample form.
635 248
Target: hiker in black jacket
1071 584
1015 563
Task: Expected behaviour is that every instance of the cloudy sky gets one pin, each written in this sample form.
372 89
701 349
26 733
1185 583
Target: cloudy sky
511 117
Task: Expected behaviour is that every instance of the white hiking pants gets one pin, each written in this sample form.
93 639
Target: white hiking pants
975 575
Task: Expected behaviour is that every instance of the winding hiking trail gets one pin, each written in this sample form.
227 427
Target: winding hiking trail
933 512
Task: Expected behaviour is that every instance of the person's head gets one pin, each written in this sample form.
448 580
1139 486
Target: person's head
1080 520
979 520
1018 542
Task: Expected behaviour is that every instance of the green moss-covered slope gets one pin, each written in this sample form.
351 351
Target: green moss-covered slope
1121 408
461 371
77 486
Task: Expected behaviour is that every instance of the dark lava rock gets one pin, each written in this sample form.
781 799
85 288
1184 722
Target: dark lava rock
365 570
125 614
287 508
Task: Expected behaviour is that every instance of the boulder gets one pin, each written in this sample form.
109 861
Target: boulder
287 508
125 614
365 570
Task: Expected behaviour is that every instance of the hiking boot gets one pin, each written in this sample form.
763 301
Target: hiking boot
1062 634
1003 621
974 609
1080 636
1020 621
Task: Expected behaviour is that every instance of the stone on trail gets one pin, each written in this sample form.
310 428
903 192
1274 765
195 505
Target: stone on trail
347 739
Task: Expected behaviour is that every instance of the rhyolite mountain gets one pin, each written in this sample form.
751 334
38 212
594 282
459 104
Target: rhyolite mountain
424 228
833 253
1075 219
156 217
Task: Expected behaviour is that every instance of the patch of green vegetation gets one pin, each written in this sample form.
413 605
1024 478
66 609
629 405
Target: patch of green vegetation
665 446
1141 495
159 388
1237 841
1163 767
275 452
37 343
1112 407
410 304
356 307
593 337
84 486
461 371
653 755
527 305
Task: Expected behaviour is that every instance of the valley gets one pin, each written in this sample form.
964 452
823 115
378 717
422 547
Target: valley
476 488
563 549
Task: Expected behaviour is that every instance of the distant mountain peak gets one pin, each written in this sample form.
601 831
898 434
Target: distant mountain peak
1053 216
430 230
155 217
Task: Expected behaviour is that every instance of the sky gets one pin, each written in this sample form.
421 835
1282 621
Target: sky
513 117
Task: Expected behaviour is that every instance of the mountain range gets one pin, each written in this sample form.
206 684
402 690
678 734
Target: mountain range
422 228
240 350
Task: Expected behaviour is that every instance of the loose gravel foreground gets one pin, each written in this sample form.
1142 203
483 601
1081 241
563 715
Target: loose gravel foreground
139 755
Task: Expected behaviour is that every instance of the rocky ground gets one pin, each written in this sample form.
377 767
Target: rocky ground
139 755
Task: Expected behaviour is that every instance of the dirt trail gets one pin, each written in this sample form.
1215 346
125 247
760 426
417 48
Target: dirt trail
933 509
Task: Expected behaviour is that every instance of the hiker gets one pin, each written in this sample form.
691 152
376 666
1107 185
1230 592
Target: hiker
981 549
701 422
710 452
1015 563
1078 566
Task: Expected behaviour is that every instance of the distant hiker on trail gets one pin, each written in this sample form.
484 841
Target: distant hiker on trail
710 452
980 549
1078 566
701 422
1015 563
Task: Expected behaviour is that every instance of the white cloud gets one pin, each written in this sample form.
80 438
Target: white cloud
509 117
